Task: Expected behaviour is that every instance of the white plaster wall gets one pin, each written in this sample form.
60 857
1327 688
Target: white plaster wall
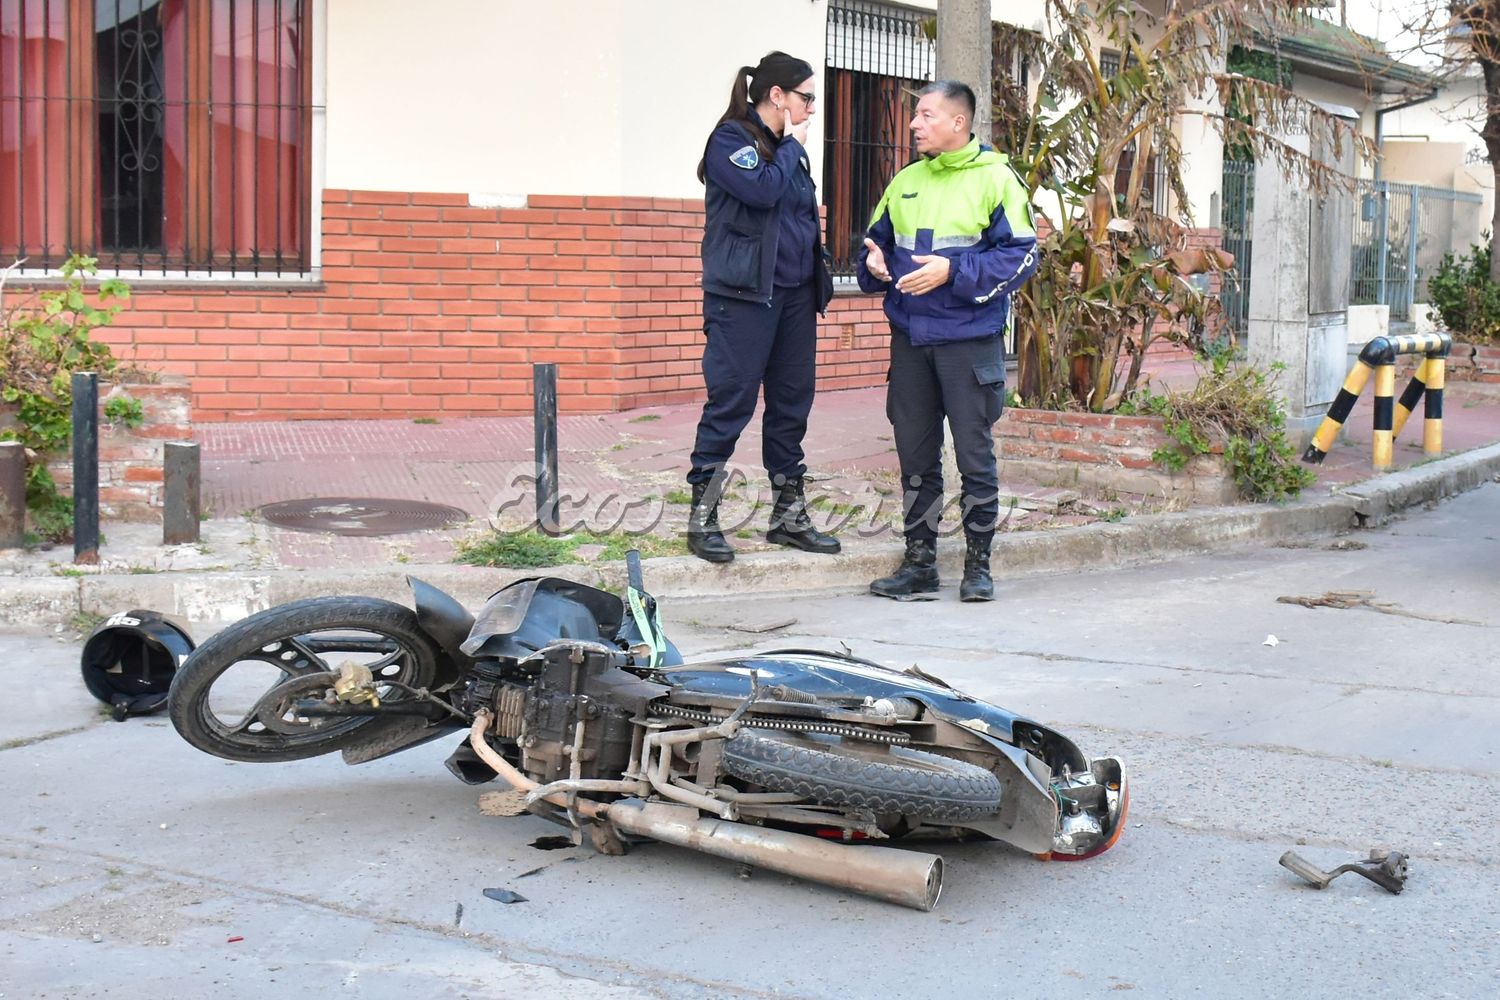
606 97
1456 114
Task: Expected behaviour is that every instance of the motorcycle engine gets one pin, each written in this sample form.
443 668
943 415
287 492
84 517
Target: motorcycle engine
551 693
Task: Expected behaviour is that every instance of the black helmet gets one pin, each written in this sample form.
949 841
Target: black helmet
129 660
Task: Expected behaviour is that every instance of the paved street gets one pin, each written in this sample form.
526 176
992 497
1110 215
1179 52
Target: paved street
129 861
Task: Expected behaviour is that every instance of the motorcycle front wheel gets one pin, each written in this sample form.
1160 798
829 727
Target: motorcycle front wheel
236 696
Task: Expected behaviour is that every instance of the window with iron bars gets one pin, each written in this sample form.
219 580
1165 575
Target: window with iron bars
161 136
878 57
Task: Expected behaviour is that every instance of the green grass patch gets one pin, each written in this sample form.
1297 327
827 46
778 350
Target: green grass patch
682 497
532 549
425 420
835 506
644 418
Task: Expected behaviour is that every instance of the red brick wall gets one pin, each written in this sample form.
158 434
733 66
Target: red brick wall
430 307
1101 450
1094 438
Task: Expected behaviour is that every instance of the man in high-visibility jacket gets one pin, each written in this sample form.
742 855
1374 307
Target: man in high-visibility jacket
951 239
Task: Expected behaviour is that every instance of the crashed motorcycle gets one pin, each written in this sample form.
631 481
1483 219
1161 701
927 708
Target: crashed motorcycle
794 760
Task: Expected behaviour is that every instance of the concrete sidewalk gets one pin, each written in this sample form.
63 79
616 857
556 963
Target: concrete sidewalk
624 472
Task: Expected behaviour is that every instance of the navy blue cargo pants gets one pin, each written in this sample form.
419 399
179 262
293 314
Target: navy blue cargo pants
965 382
751 345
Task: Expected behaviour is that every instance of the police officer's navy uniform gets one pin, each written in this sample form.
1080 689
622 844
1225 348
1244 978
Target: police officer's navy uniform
764 281
947 349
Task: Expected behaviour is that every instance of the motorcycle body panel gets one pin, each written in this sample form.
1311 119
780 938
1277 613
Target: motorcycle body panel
837 677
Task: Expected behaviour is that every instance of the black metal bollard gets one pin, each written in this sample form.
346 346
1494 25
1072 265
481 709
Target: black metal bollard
85 468
544 394
182 500
12 494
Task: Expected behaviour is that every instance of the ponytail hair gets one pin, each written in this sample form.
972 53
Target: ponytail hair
751 85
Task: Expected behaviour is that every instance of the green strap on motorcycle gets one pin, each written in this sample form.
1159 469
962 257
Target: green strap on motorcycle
649 625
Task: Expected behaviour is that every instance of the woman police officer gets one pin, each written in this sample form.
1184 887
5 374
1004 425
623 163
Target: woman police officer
764 279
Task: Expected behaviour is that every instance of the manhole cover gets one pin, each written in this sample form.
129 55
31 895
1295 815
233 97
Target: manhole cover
360 515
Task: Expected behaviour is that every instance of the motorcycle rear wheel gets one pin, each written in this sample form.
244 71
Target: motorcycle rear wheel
914 783
295 647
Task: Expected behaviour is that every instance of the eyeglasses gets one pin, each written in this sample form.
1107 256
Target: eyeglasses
808 98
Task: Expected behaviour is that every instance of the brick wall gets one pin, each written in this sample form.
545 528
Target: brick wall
130 460
1098 450
431 307
1473 363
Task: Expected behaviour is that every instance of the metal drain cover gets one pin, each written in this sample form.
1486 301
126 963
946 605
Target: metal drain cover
360 515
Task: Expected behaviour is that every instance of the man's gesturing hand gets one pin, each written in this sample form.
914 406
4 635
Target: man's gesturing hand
875 261
932 274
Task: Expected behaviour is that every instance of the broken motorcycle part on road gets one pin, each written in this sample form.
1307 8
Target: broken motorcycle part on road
1386 869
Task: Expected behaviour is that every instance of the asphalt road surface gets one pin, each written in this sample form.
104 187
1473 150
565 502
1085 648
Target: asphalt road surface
133 866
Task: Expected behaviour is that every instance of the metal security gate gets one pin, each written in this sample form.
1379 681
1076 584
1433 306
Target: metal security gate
1401 232
1235 223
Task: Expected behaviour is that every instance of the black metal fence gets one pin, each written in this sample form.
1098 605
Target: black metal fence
158 137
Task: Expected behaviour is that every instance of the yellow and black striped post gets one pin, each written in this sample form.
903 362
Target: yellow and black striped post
1432 425
1385 412
1337 413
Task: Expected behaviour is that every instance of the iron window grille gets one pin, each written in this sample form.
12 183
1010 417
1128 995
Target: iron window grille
160 136
878 57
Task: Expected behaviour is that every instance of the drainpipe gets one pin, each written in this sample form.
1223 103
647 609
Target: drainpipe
1382 220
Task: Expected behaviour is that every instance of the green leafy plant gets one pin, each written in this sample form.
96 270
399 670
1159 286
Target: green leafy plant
44 340
126 410
1237 410
1465 296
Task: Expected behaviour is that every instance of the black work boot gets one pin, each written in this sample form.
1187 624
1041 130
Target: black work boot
917 573
790 524
704 538
976 585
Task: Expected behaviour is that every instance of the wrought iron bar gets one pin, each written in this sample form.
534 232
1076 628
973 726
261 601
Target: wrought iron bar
85 468
544 392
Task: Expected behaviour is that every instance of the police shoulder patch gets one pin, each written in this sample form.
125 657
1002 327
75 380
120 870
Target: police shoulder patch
745 158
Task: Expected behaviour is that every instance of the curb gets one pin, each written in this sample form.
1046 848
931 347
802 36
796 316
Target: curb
219 596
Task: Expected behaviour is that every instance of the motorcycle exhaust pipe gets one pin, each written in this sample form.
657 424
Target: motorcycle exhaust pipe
909 878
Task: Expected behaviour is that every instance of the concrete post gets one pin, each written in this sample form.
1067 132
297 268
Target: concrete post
964 53
12 494
182 493
1299 293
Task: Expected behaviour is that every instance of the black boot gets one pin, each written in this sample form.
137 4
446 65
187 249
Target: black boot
976 585
917 573
704 538
790 524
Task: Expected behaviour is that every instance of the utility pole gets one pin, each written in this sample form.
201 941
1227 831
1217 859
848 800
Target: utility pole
964 45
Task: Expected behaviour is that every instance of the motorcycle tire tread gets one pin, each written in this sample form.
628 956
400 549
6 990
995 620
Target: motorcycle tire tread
194 680
915 783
